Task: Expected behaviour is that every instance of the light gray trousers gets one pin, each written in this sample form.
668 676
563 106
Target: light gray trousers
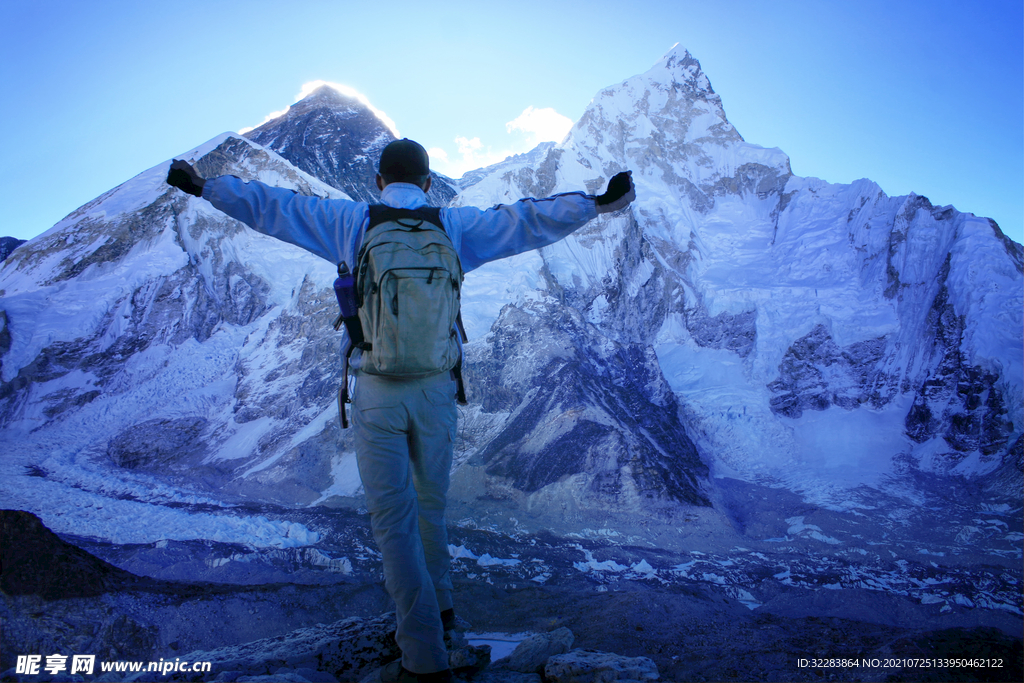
404 436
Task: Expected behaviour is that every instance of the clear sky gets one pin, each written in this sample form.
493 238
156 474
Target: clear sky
922 96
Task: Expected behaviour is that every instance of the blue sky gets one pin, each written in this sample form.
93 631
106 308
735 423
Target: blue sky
924 96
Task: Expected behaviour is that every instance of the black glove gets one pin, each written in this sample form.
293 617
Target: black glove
185 178
619 194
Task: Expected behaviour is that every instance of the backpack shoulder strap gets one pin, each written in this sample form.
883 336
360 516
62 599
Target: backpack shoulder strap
381 213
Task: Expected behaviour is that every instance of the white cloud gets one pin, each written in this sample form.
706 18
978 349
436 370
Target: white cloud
472 154
437 153
308 88
541 125
526 131
469 147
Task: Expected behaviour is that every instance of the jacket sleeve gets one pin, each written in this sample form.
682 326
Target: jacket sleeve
328 228
506 230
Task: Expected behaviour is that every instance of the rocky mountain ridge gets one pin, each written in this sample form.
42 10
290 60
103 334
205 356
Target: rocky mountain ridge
781 311
731 323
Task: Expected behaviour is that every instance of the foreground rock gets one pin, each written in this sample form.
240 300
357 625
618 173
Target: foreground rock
343 651
691 629
532 654
36 561
466 660
354 650
549 654
589 666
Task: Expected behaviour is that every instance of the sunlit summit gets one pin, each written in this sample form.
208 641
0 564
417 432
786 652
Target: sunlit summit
347 91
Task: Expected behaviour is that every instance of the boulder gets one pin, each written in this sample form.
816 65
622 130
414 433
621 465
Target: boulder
345 650
469 660
532 654
590 666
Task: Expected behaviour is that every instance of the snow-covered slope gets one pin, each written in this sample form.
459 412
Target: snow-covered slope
156 351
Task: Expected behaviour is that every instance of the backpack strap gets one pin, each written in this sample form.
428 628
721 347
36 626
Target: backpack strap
343 396
381 213
460 386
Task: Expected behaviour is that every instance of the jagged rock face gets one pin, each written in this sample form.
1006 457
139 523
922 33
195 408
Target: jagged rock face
591 417
775 298
603 427
958 367
155 443
620 279
5 340
961 403
102 349
529 173
669 128
669 123
337 139
816 373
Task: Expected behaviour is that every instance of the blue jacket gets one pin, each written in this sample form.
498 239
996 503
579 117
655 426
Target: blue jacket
333 228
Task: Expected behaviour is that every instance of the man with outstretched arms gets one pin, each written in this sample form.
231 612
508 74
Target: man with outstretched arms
405 426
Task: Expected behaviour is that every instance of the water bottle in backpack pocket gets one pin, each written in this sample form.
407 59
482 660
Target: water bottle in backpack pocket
348 302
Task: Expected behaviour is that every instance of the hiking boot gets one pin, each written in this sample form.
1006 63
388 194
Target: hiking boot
396 673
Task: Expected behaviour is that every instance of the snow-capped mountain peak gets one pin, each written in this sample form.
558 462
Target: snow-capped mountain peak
330 97
803 309
667 125
338 137
679 71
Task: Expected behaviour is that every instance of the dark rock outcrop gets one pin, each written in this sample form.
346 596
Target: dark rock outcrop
957 401
817 373
37 562
7 245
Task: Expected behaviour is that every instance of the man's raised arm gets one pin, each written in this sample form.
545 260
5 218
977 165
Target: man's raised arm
506 230
325 227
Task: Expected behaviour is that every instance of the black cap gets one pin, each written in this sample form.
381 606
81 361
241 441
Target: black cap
404 159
